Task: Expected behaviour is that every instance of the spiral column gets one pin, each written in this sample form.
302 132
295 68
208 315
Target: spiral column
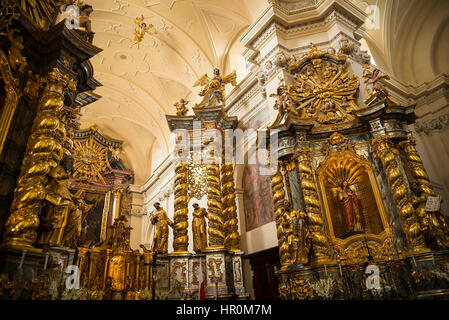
181 239
312 204
432 221
232 237
214 205
384 150
45 150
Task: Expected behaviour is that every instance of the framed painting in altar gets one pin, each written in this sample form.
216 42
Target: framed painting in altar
93 227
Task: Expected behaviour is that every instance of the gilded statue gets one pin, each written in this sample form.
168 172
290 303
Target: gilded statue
59 200
181 109
85 23
374 78
295 237
76 217
162 221
281 99
351 208
16 60
215 85
199 228
140 29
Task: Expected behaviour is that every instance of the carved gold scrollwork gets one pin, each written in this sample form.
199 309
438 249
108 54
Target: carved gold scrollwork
215 272
383 149
182 280
12 97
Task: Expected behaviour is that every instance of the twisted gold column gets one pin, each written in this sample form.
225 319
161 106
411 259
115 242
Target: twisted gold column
232 239
181 239
277 189
215 230
312 204
433 222
383 148
44 152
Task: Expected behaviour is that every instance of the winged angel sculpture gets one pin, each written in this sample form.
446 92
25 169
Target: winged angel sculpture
214 88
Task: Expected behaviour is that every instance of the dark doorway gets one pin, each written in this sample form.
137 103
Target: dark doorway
264 265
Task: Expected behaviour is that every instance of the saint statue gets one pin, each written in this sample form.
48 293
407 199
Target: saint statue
351 208
161 220
199 228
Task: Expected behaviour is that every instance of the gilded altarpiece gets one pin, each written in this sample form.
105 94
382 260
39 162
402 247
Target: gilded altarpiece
349 190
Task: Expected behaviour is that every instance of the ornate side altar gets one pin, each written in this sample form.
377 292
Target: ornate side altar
350 189
203 170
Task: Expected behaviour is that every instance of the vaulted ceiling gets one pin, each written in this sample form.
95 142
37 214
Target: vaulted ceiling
141 83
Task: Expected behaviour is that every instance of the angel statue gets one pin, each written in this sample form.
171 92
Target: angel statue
374 78
281 99
181 109
140 30
215 85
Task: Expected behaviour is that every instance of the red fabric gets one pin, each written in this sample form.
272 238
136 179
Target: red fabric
351 210
202 292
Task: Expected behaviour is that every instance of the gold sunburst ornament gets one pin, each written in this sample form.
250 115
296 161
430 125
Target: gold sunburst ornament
90 160
323 92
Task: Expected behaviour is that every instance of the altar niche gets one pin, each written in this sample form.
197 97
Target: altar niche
353 206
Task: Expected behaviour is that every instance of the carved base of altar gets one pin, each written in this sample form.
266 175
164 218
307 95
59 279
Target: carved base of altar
25 275
178 275
422 276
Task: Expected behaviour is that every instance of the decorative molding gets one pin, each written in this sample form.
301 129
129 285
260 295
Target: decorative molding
433 125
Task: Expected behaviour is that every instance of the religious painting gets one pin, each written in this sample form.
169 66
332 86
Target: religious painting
93 224
351 196
258 199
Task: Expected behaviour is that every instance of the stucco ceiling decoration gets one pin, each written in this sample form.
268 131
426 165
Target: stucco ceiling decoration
141 83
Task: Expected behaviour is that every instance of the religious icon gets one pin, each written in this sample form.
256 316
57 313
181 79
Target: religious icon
199 228
351 208
140 30
161 221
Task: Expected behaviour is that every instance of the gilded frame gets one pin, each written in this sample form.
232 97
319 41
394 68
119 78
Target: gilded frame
343 245
12 98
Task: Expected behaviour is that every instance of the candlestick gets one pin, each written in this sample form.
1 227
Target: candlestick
46 260
24 252
414 261
433 259
339 267
325 269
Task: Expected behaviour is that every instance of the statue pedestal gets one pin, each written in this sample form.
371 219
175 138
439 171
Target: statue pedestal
178 275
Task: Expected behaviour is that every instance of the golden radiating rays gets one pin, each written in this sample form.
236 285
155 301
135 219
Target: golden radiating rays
90 160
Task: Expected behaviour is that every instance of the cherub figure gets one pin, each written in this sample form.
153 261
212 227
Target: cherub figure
281 99
85 23
181 109
374 78
140 30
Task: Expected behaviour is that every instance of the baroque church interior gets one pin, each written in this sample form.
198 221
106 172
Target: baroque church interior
238 149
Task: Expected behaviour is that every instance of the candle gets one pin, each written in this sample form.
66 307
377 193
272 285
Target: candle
46 260
414 261
339 267
325 269
24 252
433 260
